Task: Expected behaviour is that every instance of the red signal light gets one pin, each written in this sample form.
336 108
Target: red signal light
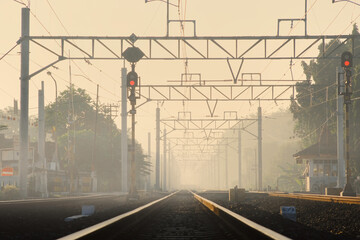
346 60
132 79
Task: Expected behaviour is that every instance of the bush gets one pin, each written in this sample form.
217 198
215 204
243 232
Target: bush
10 192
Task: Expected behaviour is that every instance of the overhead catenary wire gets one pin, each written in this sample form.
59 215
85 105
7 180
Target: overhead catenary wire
332 21
334 39
67 82
22 3
321 125
271 60
68 33
321 34
308 95
43 26
9 51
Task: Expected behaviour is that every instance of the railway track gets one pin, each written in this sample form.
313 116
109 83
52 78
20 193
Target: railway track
181 215
61 199
318 197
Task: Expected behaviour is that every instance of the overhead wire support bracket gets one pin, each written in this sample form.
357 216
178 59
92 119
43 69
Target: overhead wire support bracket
335 1
232 73
292 20
182 21
201 48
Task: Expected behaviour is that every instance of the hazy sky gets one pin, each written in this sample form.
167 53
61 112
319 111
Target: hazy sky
124 17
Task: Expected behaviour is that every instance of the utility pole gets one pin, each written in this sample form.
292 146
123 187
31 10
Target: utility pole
24 101
305 18
16 110
256 170
157 164
164 162
55 156
167 18
340 128
72 170
124 137
111 111
93 172
226 165
218 169
41 141
259 149
346 62
133 55
169 166
239 157
148 179
132 82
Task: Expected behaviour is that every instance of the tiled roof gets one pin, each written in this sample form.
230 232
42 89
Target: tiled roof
326 148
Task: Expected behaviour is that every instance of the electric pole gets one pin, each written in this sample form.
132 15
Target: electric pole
347 63
24 101
133 55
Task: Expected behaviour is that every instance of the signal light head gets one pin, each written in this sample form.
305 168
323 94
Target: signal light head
346 60
132 79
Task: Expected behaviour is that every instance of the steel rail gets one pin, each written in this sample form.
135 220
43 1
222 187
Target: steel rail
251 228
87 231
68 198
316 197
219 210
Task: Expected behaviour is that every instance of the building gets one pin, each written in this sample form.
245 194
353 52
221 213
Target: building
56 179
321 164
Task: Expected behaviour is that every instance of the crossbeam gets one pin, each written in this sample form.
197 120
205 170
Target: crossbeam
281 92
205 124
199 47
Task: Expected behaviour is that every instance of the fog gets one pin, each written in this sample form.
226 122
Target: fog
202 166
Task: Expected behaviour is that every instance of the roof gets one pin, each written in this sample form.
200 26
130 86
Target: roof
325 149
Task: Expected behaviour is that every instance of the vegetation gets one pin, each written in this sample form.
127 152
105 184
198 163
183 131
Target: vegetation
315 106
73 118
290 180
10 192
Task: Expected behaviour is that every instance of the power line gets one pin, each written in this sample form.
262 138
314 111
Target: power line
321 34
321 126
271 60
9 51
58 18
307 11
65 53
22 3
52 9
318 72
6 93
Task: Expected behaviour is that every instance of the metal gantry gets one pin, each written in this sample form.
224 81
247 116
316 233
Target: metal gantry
281 92
199 47
171 48
198 146
205 124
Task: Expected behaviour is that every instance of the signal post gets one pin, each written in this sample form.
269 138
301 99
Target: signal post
132 82
347 63
133 55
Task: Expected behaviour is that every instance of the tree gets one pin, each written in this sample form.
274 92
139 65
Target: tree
289 180
72 106
73 117
315 106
